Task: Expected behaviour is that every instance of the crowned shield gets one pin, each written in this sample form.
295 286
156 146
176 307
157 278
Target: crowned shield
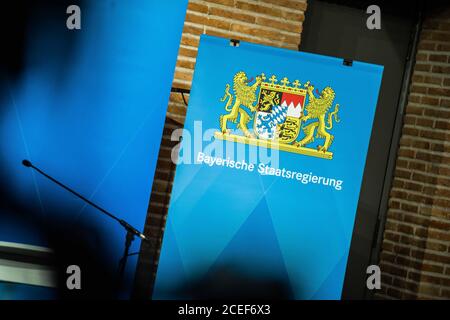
279 109
276 110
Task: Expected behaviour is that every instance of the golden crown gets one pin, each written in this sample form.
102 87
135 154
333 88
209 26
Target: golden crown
283 86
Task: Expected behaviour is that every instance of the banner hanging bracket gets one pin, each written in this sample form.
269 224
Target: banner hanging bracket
234 42
347 62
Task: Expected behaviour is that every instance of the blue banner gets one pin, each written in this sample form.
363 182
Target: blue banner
270 170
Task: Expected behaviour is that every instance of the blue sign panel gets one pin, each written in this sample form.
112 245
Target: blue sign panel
88 107
270 169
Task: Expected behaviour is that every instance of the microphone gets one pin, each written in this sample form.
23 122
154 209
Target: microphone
27 163
123 223
131 231
130 228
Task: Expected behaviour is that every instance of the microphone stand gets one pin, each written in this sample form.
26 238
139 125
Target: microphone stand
131 231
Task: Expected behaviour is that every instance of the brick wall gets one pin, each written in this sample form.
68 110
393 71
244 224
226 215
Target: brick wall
276 23
415 257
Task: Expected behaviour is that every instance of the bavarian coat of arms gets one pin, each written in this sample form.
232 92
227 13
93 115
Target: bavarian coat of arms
285 116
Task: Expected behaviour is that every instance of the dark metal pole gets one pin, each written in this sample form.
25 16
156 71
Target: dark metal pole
396 135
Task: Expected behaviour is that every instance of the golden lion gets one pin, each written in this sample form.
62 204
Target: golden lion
244 95
268 100
317 109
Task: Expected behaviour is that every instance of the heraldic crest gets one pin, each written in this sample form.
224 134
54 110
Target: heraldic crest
285 117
